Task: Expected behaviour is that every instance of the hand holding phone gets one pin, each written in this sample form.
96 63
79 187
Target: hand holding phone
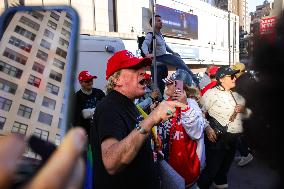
179 94
39 99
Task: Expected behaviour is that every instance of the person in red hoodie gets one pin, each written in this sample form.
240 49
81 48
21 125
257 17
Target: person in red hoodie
211 73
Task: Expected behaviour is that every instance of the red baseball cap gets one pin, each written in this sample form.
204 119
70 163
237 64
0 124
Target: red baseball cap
212 70
122 60
85 75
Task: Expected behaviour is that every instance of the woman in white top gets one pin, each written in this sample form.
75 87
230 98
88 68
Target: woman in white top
228 109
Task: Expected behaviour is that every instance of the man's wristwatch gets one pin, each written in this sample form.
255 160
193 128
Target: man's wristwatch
140 129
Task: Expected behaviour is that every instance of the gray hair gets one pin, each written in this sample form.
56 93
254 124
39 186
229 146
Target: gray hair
110 82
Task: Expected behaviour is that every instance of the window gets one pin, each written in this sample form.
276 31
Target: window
57 140
42 55
42 134
38 67
25 111
29 95
10 70
5 104
48 34
65 33
25 33
68 16
19 128
49 103
63 42
52 88
59 123
67 24
8 86
13 55
45 118
33 80
58 63
36 15
54 16
2 122
51 24
30 23
45 44
61 53
20 44
55 75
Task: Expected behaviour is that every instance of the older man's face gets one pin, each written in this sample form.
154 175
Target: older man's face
133 82
87 85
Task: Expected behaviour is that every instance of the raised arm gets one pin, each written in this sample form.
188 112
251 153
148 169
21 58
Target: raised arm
116 155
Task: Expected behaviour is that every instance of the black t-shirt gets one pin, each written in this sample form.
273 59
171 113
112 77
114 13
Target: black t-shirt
115 117
84 101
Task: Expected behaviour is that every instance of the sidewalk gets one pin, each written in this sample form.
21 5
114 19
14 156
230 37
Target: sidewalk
255 175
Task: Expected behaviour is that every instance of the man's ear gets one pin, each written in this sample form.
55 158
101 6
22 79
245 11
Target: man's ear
117 81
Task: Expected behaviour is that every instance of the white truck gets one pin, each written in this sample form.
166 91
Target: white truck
93 54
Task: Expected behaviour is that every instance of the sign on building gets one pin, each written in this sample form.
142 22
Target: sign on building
177 23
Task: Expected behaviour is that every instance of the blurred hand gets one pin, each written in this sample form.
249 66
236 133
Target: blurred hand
64 169
211 135
176 54
154 105
161 112
88 113
239 108
180 96
149 56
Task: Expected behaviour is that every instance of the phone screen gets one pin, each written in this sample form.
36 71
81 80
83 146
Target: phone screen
179 85
37 66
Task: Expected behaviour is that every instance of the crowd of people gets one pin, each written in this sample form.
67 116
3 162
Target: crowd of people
197 130
186 122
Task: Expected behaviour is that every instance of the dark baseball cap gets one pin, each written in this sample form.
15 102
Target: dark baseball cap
225 70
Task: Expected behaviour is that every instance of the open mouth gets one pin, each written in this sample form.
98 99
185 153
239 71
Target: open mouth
143 82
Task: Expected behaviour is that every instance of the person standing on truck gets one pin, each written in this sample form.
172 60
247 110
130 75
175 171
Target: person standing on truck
86 100
162 56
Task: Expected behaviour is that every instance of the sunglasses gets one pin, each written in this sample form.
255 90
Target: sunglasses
232 76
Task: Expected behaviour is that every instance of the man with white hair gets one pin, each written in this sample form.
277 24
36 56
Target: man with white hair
123 155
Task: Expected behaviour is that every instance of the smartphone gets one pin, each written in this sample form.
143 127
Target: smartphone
179 85
38 47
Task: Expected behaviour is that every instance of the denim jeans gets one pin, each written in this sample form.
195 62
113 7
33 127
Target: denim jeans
178 63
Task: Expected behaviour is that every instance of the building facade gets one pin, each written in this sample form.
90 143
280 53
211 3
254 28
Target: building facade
238 7
33 54
218 30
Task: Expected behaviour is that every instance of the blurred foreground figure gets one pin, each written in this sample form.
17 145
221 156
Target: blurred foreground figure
265 127
64 169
